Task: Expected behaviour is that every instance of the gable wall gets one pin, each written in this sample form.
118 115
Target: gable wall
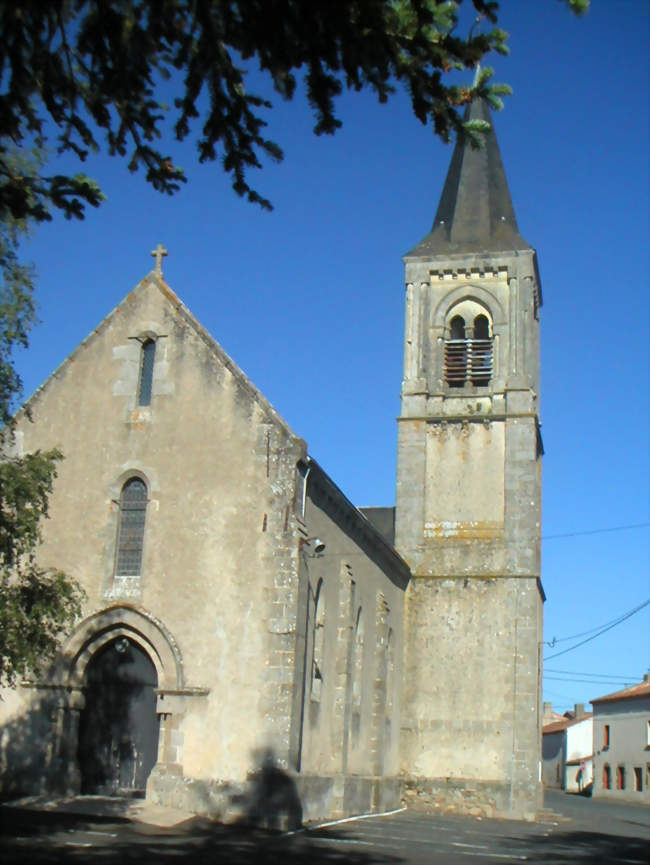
220 469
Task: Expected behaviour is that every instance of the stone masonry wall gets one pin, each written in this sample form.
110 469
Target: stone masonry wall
471 712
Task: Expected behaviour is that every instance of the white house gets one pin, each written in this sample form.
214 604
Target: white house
567 752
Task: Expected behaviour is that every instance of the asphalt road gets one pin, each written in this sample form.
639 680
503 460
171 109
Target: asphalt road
590 833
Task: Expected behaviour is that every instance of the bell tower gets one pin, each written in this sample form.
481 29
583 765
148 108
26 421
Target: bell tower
468 504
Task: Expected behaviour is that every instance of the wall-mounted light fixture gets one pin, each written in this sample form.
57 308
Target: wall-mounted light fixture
317 546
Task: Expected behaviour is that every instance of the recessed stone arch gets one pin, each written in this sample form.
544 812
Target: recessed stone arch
134 470
466 325
152 331
476 293
121 620
67 679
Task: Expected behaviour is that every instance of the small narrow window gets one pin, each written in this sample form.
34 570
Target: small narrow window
147 357
457 328
481 352
638 779
318 644
390 670
130 535
356 673
606 737
456 353
481 327
620 777
607 777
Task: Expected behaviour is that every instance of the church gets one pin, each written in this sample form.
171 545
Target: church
242 615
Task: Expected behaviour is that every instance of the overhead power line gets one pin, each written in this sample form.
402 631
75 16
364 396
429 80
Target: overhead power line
592 682
615 621
608 627
592 675
595 531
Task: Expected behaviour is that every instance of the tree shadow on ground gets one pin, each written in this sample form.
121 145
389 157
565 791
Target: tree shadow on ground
40 837
62 837
28 822
580 847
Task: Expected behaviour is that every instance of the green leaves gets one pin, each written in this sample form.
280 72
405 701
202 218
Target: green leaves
578 7
36 609
92 70
25 484
17 307
36 605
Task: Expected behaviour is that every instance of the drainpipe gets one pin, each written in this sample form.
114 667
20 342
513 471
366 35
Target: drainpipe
304 491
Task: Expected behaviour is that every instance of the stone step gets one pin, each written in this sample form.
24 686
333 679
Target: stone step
547 815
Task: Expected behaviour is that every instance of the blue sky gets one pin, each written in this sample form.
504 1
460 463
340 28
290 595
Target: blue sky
308 300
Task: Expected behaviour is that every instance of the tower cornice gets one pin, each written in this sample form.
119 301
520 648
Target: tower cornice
469 418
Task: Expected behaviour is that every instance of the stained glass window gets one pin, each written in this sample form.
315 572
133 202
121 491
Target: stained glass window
133 506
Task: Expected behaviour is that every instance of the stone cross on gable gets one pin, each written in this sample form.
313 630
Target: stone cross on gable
158 253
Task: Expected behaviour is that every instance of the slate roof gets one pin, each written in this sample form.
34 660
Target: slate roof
475 213
383 519
641 690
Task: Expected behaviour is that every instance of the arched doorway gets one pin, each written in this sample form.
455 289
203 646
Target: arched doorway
118 728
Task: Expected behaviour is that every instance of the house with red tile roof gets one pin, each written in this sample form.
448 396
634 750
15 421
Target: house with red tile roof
567 751
622 744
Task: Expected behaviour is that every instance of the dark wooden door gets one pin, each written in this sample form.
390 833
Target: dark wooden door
118 729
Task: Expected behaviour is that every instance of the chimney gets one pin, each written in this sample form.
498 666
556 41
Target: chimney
579 710
646 676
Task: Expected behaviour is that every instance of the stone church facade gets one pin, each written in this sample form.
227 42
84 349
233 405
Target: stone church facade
241 612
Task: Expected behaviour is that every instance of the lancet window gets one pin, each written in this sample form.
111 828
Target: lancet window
356 673
145 381
130 533
318 644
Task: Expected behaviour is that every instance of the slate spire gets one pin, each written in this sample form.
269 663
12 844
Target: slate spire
475 213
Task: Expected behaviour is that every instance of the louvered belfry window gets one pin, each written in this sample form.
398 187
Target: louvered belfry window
133 507
468 360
